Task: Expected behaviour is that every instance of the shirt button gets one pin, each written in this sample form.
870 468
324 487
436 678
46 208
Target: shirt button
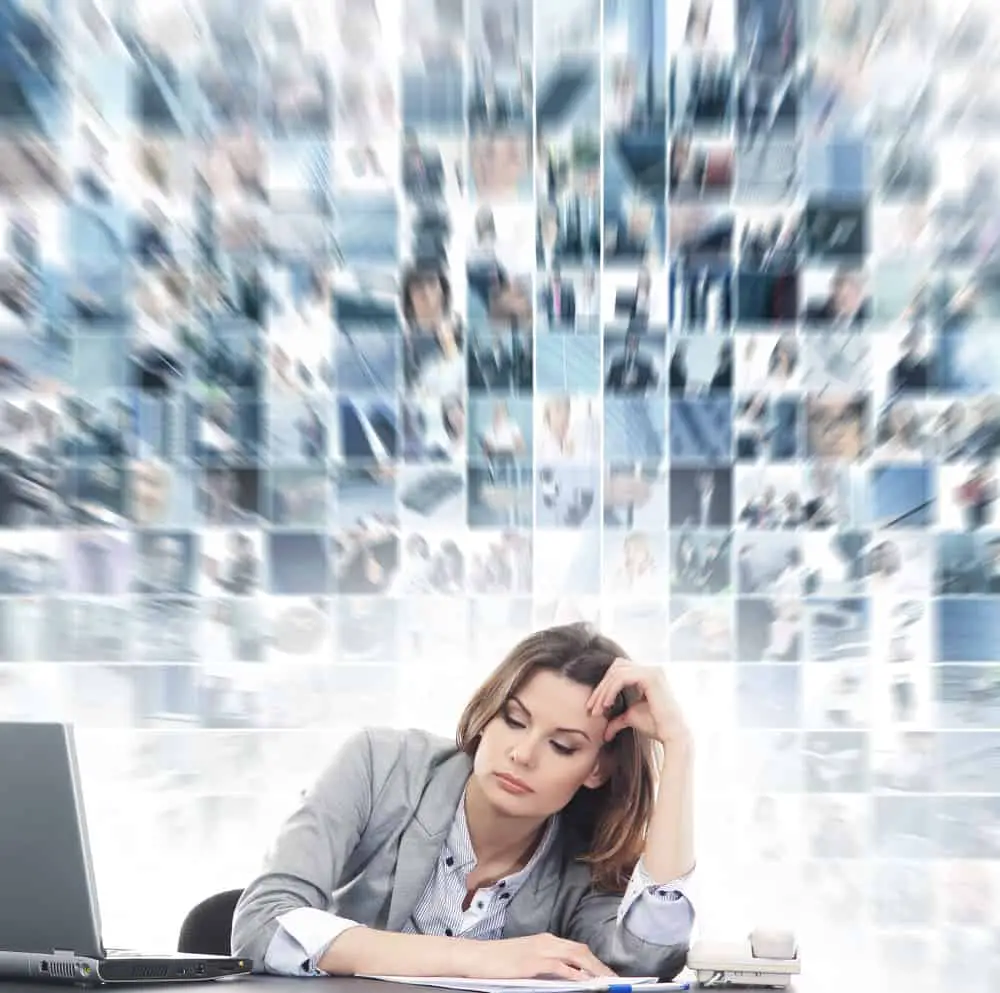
504 896
448 931
449 861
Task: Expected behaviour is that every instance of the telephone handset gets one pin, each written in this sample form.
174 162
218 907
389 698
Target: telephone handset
768 957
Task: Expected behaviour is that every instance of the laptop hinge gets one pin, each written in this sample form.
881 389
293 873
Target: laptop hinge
63 951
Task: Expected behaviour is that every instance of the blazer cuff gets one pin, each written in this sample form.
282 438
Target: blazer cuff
682 886
661 913
302 936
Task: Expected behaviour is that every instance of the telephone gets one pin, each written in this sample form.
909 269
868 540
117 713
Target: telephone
768 957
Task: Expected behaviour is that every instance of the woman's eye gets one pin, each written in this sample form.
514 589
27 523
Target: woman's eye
563 749
511 722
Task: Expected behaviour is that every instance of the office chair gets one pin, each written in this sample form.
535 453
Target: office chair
206 929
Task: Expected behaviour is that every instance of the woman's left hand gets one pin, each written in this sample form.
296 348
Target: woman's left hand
654 710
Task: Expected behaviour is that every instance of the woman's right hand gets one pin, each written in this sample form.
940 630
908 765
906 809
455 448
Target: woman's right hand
532 957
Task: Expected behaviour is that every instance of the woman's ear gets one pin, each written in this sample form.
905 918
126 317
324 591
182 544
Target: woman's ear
601 771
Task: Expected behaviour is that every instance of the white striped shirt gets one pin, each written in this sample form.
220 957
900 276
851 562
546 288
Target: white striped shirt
439 909
657 912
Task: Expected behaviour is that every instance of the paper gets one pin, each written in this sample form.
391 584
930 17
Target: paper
498 985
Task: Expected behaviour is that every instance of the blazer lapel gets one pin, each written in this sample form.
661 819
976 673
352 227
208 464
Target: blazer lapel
421 841
532 907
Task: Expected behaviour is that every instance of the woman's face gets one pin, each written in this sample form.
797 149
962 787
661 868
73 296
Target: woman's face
545 738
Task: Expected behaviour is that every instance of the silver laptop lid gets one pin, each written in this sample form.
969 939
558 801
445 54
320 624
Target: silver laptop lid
48 901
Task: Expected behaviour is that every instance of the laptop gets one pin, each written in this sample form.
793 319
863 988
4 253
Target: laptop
50 927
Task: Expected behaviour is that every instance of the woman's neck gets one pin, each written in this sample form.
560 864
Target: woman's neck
500 842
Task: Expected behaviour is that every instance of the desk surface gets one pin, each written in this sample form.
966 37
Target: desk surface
281 984
262 984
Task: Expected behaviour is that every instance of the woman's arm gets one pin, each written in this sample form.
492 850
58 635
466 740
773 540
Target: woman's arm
366 951
647 932
669 853
282 920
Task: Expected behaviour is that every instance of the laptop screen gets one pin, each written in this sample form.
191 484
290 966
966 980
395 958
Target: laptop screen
48 901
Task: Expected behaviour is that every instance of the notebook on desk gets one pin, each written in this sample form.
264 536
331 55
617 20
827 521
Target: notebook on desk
611 984
593 985
50 928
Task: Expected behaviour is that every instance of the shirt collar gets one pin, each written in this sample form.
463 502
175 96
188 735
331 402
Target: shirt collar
458 848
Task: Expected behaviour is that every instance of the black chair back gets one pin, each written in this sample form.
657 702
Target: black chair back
207 928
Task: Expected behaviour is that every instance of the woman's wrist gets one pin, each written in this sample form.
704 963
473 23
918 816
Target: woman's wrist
461 957
364 950
678 739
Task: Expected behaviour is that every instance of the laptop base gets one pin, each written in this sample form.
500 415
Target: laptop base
81 970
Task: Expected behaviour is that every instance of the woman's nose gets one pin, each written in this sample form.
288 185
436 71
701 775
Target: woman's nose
524 753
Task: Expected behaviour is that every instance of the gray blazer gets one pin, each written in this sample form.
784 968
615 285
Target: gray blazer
365 840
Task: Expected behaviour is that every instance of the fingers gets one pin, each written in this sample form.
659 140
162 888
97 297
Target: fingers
609 690
613 683
611 731
559 970
580 956
565 970
600 690
588 963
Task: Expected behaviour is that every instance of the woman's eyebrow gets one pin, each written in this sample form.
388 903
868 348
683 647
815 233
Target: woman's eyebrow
527 713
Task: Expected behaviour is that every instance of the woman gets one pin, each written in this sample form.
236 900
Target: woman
541 832
433 343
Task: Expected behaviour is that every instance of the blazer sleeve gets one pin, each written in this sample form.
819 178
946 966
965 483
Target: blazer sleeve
596 920
307 861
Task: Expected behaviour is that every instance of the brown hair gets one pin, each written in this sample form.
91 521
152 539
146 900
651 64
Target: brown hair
610 821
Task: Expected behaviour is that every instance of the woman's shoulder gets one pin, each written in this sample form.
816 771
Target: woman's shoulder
392 766
408 750
410 740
